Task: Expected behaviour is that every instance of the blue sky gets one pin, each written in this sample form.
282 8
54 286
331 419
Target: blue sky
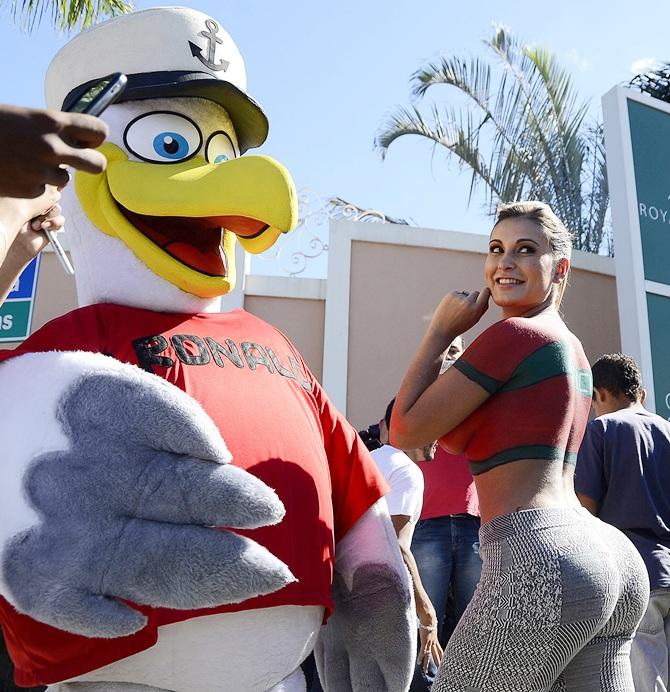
327 73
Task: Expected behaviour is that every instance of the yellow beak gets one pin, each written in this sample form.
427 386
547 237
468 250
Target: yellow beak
142 204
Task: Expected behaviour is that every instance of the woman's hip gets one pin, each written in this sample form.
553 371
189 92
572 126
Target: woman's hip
559 564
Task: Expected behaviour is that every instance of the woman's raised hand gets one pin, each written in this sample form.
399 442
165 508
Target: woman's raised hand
457 312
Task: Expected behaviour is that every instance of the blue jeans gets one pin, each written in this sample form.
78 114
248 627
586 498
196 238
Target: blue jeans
446 550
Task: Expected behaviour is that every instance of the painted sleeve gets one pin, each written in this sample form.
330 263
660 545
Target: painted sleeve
356 481
494 356
589 473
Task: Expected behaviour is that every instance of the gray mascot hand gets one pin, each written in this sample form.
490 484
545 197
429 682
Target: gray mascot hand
110 483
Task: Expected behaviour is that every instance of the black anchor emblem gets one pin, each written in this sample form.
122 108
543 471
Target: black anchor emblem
212 39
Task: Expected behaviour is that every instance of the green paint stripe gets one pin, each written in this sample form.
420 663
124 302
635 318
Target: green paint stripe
544 452
490 384
548 361
551 360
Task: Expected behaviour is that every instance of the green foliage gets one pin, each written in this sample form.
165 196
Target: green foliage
523 133
655 82
64 15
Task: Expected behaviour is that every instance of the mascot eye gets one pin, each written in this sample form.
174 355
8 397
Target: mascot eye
163 137
171 145
219 148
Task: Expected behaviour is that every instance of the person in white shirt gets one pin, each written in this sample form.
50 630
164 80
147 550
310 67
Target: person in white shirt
405 500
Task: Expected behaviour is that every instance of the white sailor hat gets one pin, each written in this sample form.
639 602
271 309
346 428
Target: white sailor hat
164 51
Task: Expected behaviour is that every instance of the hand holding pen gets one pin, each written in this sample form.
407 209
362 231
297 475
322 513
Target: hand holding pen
49 224
23 223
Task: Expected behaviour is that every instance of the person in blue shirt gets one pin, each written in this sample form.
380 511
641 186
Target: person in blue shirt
623 477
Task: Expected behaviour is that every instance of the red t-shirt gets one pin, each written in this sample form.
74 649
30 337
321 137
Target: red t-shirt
278 424
540 385
449 487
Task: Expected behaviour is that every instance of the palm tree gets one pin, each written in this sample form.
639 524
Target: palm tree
524 133
65 14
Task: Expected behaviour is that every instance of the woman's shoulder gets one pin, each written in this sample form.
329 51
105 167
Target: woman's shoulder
510 340
539 328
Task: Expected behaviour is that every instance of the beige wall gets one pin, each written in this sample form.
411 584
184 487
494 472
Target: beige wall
300 319
56 291
393 292
393 287
590 310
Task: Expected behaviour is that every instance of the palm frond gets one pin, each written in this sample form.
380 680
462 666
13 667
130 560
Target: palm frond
457 132
339 208
567 118
408 120
64 15
533 117
596 192
522 132
473 78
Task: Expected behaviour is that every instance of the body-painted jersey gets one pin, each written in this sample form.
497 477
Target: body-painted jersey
539 380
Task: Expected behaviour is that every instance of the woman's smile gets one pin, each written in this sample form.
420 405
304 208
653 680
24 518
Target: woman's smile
508 282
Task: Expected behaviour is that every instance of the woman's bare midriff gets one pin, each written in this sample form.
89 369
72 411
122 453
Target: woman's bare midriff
525 484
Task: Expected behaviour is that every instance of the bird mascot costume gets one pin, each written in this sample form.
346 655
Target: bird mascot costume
182 507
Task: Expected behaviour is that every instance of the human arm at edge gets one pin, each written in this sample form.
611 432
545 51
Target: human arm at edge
425 611
24 241
424 408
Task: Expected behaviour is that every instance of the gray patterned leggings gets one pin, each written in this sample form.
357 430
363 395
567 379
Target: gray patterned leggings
560 596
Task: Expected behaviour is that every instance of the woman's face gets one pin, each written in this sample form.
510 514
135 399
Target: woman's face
520 268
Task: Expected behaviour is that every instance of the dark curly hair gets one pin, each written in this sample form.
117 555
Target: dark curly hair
618 374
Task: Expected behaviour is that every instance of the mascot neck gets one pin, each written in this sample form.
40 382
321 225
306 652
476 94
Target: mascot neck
106 271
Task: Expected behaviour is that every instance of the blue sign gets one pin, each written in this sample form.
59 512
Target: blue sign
16 312
25 286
